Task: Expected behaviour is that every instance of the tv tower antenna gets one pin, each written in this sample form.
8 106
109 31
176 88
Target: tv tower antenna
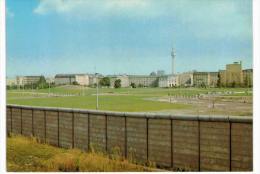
173 59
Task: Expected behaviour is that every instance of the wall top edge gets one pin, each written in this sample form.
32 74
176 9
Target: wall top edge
216 118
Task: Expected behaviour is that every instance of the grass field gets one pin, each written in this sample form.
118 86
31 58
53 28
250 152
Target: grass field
25 155
123 99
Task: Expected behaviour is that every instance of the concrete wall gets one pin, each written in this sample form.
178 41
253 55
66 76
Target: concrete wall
194 143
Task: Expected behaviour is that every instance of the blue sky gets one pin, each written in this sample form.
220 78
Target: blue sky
126 36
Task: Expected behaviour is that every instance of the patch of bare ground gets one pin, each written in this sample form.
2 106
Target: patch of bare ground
220 105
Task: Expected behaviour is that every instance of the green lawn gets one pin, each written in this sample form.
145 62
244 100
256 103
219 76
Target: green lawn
123 99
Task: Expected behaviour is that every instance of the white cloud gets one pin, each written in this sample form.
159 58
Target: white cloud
81 8
206 16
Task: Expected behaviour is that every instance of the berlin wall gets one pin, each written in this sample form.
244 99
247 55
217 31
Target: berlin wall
195 143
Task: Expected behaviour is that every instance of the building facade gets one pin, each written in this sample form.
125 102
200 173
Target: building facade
205 79
185 79
200 79
11 82
27 80
248 77
124 80
232 76
213 79
168 81
69 79
143 80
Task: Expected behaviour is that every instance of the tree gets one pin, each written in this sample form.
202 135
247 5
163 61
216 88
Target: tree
41 83
233 84
105 81
219 82
140 85
203 85
117 83
153 74
133 85
75 83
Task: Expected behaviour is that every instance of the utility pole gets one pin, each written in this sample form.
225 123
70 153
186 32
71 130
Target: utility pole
96 74
173 59
97 95
23 86
49 88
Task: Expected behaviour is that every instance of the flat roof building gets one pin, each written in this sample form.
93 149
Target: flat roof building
143 80
186 79
205 79
248 77
124 80
26 80
232 76
168 81
11 82
69 79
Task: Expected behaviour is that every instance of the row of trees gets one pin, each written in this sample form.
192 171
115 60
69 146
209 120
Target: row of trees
40 84
105 81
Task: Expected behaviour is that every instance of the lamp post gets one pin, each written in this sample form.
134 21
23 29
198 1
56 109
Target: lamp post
96 91
49 88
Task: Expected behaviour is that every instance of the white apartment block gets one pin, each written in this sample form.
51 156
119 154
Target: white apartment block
69 79
168 81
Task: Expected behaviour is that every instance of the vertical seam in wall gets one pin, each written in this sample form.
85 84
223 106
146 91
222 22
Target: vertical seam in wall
199 144
106 130
45 125
230 146
32 123
147 140
58 128
21 121
125 138
171 144
72 142
88 132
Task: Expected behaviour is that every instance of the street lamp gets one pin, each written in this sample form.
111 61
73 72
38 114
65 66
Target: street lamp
96 91
49 88
49 85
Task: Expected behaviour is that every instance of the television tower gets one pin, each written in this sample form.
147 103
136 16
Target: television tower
173 59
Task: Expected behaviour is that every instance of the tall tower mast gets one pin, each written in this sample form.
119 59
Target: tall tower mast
173 59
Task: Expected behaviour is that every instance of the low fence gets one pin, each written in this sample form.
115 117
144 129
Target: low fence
197 143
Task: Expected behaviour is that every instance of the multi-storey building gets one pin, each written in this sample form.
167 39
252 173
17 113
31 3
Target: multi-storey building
248 77
11 82
143 80
186 79
27 80
213 79
222 75
232 76
207 79
68 79
124 80
200 79
168 81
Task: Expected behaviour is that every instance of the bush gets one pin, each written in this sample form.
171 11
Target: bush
133 85
105 81
117 83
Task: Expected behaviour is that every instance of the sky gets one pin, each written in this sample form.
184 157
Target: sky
47 37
